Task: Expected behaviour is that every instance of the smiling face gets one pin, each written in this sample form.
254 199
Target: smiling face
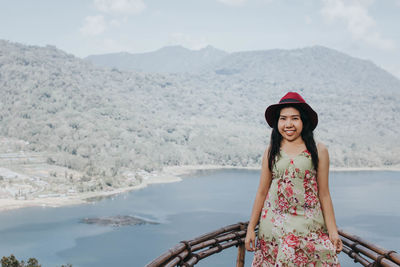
290 124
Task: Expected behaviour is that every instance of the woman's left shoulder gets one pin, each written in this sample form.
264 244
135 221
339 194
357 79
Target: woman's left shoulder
321 146
322 149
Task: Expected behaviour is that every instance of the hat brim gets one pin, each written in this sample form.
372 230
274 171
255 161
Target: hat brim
270 113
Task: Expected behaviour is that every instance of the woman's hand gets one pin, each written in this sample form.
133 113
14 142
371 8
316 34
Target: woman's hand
336 241
249 242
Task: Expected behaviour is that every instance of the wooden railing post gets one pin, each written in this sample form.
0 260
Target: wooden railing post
241 251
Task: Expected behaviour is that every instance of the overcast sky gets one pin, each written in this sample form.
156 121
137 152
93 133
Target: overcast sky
366 29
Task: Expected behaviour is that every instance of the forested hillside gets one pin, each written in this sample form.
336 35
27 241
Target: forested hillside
109 122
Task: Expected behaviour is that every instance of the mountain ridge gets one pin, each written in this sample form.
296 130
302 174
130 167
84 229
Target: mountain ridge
256 63
164 60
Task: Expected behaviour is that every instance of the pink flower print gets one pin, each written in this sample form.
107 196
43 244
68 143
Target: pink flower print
275 251
258 259
263 245
308 213
293 210
283 203
310 199
323 236
291 161
292 241
315 187
310 247
314 236
264 213
286 181
300 258
286 172
288 191
325 240
328 244
271 260
288 251
297 170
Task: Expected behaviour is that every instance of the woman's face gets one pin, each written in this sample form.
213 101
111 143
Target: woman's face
290 124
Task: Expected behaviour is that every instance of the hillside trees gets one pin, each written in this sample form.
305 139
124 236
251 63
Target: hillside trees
106 123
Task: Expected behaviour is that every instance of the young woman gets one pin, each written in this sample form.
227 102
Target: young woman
293 205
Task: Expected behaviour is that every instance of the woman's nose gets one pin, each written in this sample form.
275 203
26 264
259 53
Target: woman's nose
289 123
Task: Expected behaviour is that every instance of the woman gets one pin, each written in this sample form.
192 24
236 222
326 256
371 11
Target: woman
293 204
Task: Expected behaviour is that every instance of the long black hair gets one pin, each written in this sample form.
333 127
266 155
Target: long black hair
307 135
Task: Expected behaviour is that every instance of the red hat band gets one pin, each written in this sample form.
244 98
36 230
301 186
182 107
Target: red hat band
292 97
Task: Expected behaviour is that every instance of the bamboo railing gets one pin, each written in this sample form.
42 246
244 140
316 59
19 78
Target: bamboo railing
188 253
367 253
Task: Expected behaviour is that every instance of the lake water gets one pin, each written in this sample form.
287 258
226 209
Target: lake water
366 204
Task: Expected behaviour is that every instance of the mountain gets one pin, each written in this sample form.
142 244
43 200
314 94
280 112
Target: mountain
324 66
319 64
168 59
107 125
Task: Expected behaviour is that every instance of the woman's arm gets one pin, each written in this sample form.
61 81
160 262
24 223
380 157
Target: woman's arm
325 197
263 187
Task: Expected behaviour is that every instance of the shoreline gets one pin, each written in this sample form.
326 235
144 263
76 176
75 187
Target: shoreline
169 174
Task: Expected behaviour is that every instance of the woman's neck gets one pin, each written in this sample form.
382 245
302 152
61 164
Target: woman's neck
295 143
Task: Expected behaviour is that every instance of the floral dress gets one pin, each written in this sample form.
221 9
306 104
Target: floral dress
292 230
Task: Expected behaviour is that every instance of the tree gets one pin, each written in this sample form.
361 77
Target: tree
11 261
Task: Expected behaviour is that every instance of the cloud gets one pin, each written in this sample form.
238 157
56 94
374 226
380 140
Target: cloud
308 20
126 7
242 2
116 22
93 25
359 23
232 2
395 72
96 25
187 41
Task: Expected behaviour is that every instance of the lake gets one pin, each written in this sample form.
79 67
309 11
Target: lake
365 202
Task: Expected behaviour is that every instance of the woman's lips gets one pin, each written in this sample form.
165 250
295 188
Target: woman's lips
289 132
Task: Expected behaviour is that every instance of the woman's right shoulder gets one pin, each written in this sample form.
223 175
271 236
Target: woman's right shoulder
265 162
266 155
266 152
321 147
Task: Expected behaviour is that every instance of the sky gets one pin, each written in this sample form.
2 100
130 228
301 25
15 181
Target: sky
367 29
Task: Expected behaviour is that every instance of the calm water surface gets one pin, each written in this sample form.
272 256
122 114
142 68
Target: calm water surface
366 204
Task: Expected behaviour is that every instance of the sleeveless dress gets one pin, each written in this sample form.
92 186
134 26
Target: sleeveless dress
292 230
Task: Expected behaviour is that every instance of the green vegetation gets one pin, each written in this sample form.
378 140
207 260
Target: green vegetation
11 261
106 123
